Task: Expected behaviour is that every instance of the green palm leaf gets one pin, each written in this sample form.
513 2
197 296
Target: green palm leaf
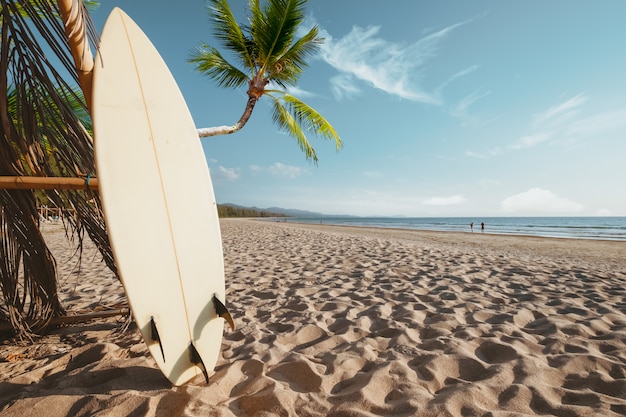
210 62
227 30
274 29
297 118
286 121
311 120
294 60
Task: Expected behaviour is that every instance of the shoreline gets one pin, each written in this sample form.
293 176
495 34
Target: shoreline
552 227
598 251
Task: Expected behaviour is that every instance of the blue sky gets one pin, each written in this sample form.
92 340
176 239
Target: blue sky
447 108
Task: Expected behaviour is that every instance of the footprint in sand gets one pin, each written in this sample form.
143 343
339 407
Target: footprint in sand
492 352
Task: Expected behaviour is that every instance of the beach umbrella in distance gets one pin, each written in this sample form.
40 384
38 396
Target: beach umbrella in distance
270 60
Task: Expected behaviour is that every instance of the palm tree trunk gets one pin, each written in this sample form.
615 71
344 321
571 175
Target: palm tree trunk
76 33
227 130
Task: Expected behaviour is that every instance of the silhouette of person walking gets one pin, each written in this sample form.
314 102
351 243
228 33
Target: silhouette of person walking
482 227
472 226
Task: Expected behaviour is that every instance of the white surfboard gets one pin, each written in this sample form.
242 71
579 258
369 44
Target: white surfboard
158 202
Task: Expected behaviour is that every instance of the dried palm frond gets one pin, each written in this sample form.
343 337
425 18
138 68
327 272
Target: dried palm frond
44 131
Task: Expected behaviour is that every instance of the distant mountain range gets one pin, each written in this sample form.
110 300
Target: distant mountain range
284 211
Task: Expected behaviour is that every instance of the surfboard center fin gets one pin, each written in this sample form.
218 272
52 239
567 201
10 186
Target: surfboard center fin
222 311
195 358
154 335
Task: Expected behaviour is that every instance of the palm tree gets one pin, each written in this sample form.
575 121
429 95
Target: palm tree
269 56
43 132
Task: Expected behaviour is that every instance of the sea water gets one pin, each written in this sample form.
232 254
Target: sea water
603 228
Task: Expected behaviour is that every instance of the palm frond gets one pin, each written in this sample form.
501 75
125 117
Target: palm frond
303 49
274 29
27 269
311 120
287 69
44 132
286 121
227 30
210 62
297 118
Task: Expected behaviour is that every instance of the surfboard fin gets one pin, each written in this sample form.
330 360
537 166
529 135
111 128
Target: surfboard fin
195 358
154 335
222 311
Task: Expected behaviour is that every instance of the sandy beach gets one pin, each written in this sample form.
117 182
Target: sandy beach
343 321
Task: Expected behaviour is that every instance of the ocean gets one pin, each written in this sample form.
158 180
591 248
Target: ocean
602 228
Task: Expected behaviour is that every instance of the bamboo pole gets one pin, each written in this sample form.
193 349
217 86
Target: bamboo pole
76 34
48 183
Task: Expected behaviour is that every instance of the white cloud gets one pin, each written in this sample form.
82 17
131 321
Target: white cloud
462 73
373 174
563 111
343 85
281 170
396 68
565 119
525 142
493 152
444 201
456 76
599 123
298 92
230 174
539 201
551 124
530 141
461 110
473 154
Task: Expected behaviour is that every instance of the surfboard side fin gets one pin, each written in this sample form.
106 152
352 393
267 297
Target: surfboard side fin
154 335
195 358
222 311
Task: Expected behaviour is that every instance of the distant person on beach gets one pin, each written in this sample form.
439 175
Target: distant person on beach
482 227
472 226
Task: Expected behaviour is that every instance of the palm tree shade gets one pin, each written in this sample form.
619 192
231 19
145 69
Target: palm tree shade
268 54
44 131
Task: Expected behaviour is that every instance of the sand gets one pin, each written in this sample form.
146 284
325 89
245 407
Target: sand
338 321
